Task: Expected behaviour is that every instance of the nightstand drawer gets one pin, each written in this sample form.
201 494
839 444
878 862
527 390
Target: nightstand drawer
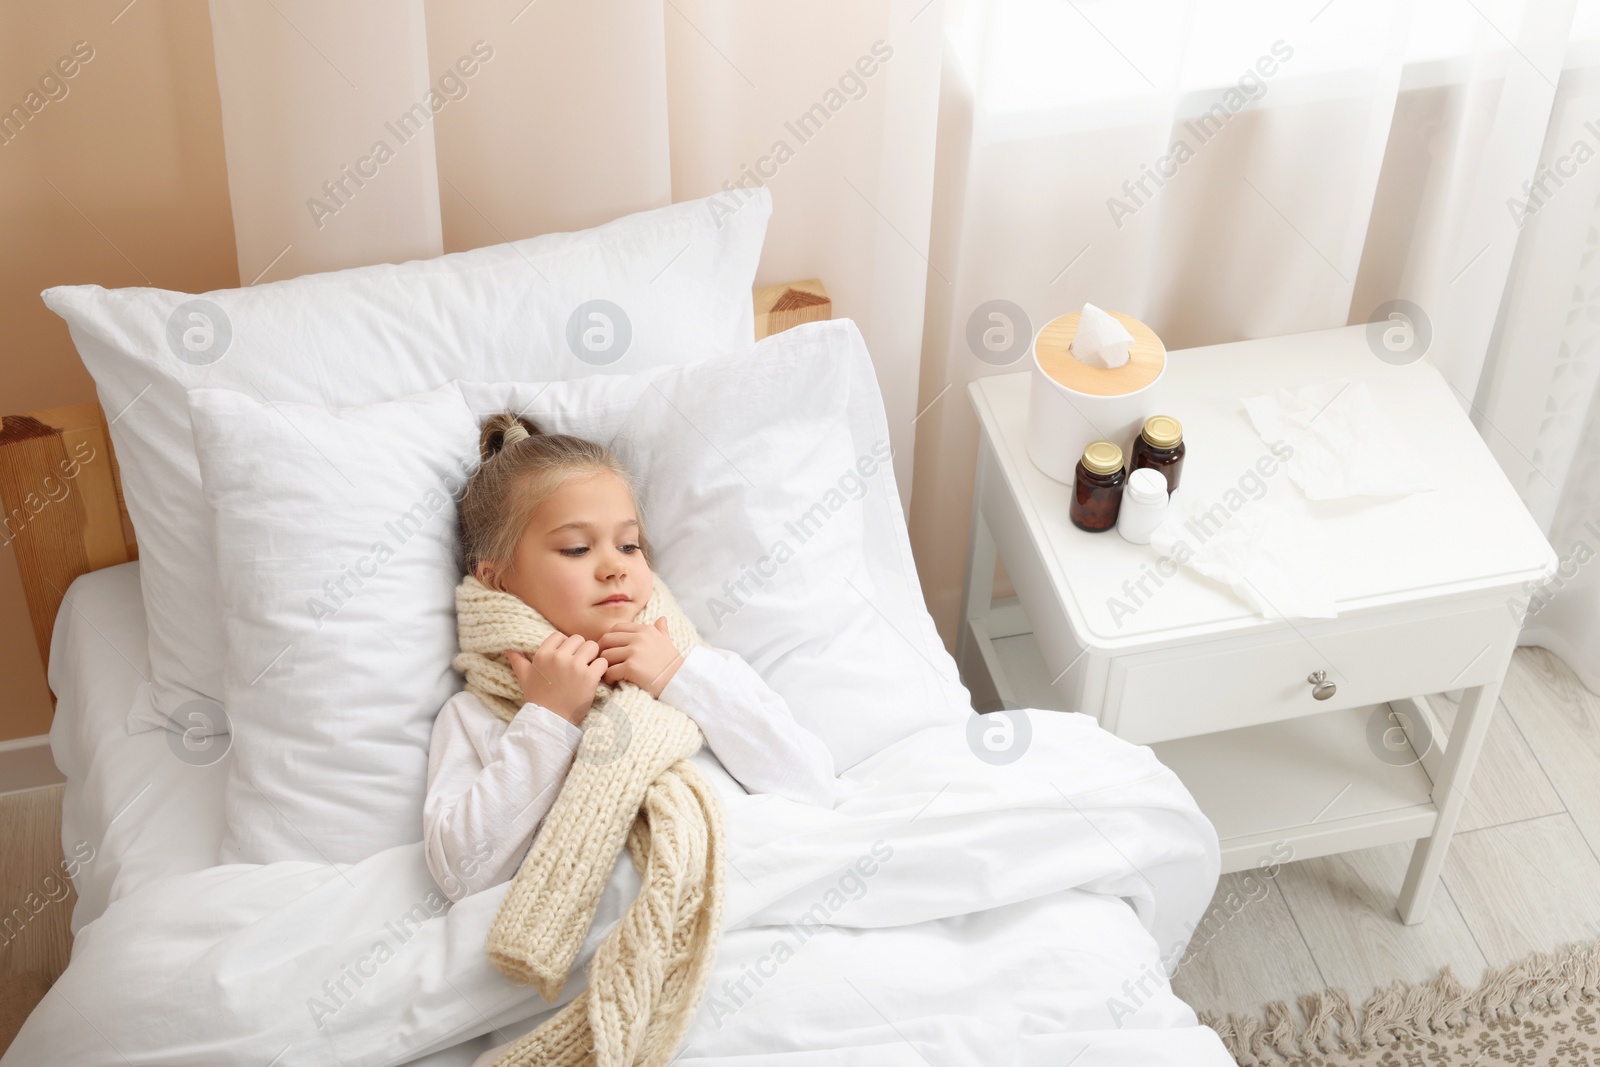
1223 685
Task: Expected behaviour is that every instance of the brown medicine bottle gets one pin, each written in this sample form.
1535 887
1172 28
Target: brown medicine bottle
1160 447
1097 487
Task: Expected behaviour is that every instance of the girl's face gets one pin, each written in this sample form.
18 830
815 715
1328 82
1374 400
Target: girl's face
578 562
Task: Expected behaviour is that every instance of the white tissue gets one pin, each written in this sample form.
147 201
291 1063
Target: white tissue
1342 444
1101 341
1267 552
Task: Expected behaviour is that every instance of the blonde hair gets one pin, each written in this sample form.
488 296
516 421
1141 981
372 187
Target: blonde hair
520 468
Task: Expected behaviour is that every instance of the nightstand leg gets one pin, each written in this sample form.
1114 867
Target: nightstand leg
977 594
1450 796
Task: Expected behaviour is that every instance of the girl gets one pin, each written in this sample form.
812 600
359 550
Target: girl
551 519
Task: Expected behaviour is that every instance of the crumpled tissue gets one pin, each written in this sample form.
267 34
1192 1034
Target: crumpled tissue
1269 554
1101 341
1342 444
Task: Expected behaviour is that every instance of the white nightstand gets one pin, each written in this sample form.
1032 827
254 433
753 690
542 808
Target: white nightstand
1424 585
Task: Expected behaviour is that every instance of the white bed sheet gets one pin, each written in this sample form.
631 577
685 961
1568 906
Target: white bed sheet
1021 919
143 811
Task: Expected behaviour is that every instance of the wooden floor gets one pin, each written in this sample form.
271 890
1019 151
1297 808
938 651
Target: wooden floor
36 939
1523 873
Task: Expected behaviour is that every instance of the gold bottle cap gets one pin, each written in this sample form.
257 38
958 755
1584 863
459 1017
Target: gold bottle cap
1163 431
1102 457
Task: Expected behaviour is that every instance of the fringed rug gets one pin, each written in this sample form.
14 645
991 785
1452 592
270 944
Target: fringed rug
1541 1012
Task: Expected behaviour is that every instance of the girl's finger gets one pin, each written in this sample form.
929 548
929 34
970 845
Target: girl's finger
661 624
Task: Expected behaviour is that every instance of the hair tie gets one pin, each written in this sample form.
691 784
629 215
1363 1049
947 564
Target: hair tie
514 433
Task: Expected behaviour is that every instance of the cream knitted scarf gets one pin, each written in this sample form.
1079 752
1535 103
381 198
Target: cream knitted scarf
631 782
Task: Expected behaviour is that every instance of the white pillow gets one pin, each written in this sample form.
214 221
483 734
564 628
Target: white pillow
732 455
678 285
336 538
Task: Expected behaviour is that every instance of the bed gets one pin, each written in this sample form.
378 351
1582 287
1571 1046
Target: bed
949 909
174 957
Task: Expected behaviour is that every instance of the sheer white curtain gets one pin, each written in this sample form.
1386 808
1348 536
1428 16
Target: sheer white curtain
301 119
530 117
1222 170
1538 403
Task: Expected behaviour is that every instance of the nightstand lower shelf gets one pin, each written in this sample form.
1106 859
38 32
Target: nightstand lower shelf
1334 789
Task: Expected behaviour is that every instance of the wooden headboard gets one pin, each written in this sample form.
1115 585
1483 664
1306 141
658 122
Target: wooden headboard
64 512
62 494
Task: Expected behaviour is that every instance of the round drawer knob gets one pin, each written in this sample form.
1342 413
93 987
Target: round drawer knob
1321 688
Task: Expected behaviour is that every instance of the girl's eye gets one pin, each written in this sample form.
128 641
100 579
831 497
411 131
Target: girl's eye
580 550
630 549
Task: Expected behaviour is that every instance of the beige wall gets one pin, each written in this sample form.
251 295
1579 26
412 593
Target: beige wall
120 181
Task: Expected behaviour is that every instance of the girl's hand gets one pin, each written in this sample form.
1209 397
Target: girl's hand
561 675
643 655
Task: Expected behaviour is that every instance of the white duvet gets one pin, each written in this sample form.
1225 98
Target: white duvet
946 911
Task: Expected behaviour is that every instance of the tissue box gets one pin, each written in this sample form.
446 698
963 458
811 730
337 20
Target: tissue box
1072 403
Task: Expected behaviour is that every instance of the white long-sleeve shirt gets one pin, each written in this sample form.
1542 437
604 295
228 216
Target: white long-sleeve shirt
491 783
